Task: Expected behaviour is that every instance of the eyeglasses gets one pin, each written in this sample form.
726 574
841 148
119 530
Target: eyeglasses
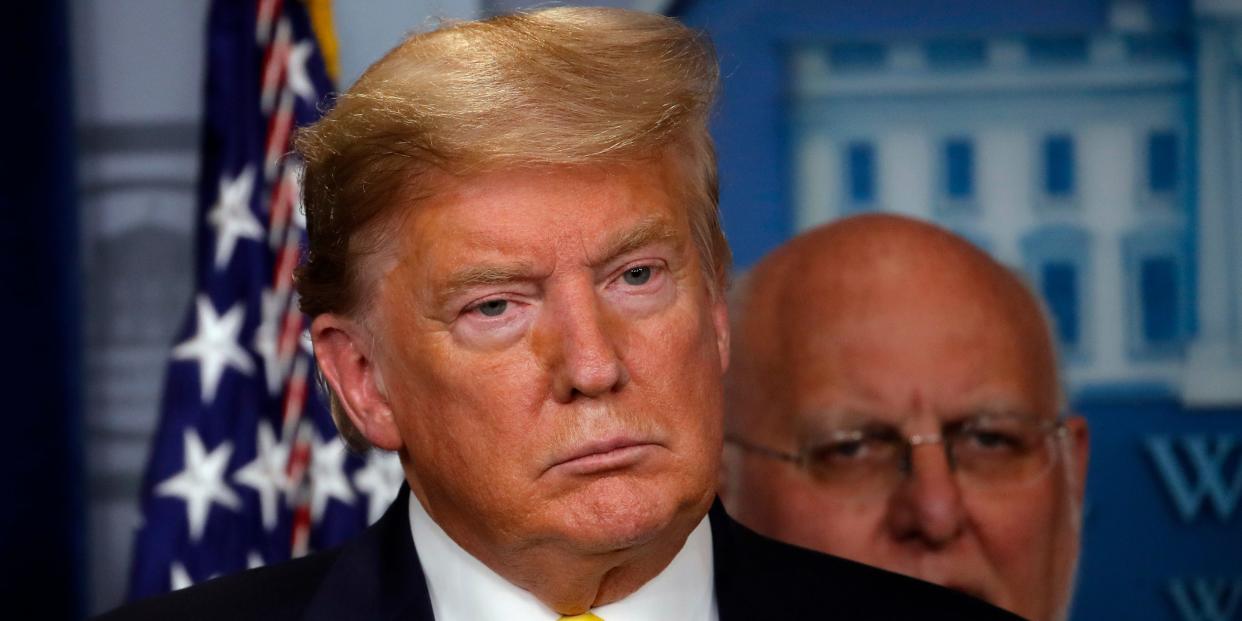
985 452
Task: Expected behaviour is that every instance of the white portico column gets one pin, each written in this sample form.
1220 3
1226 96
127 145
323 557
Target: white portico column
1214 364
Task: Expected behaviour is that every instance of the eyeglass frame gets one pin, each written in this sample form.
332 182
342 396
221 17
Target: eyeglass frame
1058 428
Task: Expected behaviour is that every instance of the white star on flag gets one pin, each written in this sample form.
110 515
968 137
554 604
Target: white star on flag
214 345
201 482
231 215
179 577
327 475
266 341
299 208
299 81
379 479
266 473
307 342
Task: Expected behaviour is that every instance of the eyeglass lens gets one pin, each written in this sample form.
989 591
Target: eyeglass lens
993 452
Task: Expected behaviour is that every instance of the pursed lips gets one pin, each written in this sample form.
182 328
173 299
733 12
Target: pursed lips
597 456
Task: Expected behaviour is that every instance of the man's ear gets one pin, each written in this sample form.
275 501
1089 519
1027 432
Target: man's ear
720 317
344 349
1080 448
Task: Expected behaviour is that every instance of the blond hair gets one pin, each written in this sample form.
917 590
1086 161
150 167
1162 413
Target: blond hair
556 87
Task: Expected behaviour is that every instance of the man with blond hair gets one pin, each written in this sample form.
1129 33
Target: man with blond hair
893 399
516 275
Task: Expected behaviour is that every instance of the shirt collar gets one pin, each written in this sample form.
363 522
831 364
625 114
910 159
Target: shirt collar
462 588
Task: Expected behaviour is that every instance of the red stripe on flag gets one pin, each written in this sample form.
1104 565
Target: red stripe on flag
268 9
280 129
281 206
290 334
275 61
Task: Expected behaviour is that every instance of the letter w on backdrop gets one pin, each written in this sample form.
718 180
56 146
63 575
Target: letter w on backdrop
1210 474
246 468
1206 599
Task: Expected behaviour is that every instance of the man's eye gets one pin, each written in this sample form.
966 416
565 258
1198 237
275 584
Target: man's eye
850 449
637 275
843 452
492 308
995 441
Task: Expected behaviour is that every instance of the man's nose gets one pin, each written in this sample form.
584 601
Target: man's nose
582 343
927 507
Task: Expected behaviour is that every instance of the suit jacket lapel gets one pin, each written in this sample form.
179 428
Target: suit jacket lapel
732 587
376 575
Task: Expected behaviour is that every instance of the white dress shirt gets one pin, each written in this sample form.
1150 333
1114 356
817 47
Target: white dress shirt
464 589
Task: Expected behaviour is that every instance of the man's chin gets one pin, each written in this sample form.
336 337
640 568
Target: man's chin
620 513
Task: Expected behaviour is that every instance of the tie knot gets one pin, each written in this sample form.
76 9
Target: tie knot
586 616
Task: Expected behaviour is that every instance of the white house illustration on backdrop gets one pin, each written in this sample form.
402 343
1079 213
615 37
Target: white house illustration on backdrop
1106 165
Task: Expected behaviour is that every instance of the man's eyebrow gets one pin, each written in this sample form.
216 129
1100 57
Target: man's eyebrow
998 409
652 230
822 421
481 276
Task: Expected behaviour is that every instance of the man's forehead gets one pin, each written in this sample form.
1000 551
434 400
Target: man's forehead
523 246
467 235
500 263
850 370
887 321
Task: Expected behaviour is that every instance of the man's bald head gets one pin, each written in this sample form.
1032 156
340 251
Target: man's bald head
884 322
857 267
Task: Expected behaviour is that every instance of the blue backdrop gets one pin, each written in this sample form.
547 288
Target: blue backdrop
1102 111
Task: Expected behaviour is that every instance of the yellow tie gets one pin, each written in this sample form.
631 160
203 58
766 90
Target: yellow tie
582 617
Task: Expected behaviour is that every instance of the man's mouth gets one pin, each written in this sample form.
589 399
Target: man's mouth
601 456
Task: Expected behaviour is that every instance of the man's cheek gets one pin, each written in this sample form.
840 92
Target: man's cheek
1013 530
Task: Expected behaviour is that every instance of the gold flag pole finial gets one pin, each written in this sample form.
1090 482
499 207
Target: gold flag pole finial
321 22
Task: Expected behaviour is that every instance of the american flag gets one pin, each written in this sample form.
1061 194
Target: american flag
246 467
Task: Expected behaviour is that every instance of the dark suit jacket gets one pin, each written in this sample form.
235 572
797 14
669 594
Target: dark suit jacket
378 576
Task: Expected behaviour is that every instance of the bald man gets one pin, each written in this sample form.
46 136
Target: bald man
894 400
